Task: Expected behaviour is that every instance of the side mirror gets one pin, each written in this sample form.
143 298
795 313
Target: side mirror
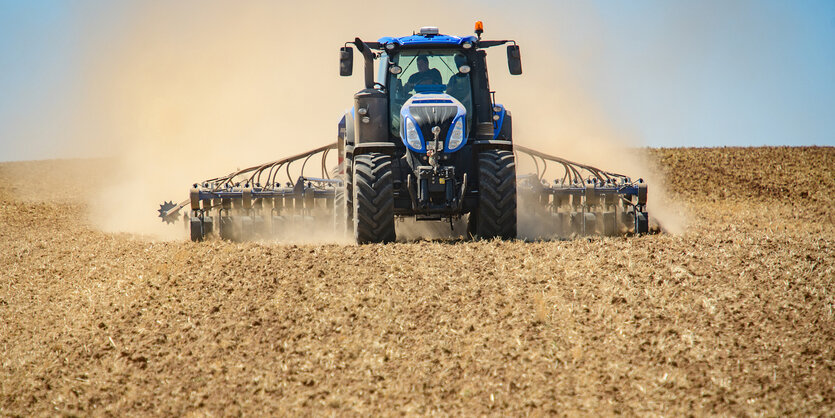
514 60
346 61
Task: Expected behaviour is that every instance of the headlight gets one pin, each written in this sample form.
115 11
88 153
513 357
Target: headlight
412 137
457 136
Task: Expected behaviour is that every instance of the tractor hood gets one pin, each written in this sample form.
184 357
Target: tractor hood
433 120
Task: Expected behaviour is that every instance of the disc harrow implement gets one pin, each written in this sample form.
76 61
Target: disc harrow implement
267 202
253 203
581 200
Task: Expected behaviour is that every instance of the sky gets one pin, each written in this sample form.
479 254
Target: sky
662 73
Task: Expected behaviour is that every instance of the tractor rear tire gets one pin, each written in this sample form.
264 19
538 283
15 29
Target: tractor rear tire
373 200
495 216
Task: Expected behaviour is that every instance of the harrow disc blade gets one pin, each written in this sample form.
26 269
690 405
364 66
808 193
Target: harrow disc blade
164 210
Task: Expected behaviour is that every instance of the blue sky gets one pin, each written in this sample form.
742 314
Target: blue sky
699 73
734 72
37 69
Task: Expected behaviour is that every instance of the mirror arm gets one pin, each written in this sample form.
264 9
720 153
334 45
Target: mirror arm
369 62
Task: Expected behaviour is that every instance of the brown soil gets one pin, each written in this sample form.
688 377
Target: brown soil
735 316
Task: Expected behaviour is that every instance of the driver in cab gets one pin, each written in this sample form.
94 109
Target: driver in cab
424 75
459 83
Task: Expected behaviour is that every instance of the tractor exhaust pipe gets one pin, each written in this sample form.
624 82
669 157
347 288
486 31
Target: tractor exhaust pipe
369 62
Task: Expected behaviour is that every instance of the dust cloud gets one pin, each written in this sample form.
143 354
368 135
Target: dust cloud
553 113
179 92
197 90
182 92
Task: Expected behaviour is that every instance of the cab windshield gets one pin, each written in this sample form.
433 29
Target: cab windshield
438 70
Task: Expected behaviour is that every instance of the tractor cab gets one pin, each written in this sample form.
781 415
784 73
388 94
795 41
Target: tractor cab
427 63
426 71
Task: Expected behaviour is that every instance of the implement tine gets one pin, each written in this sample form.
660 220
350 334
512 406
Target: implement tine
274 170
536 164
305 163
600 174
324 160
544 168
228 178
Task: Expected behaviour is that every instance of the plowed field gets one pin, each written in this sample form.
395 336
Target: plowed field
734 316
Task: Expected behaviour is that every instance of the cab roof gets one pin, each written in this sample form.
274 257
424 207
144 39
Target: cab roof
427 40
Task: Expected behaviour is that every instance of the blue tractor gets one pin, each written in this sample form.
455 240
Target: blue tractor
424 140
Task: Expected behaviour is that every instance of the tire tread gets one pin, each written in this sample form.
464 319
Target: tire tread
373 201
496 213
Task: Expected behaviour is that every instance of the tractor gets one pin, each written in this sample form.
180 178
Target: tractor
426 140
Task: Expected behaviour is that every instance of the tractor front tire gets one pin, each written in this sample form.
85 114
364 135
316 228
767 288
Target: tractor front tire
373 201
495 216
